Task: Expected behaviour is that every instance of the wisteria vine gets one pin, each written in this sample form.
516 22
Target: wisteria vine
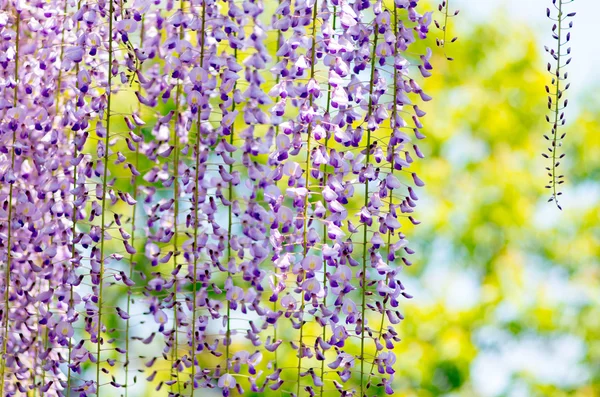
444 26
194 192
556 102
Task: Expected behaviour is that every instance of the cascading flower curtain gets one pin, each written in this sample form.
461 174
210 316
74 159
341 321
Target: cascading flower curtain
207 196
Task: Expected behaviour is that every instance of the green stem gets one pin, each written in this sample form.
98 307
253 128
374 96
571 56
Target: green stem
556 105
445 27
197 176
229 225
306 202
389 240
193 333
133 216
366 227
104 186
10 208
73 231
62 51
45 344
324 335
175 347
277 80
57 105
74 220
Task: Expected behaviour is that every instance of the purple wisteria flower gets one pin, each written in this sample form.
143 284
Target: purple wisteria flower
197 192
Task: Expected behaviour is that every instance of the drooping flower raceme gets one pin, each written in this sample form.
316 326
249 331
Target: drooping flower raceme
561 57
207 194
444 26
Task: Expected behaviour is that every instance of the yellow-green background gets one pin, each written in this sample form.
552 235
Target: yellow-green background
507 287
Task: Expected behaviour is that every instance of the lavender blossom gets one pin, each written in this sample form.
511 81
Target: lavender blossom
169 179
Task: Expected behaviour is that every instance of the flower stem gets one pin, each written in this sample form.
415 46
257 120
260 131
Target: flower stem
445 28
389 240
306 202
175 334
57 107
229 224
366 227
195 247
394 112
74 220
104 186
133 216
277 80
62 51
196 205
556 104
9 224
324 334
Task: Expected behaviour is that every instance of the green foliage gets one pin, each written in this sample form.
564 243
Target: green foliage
531 273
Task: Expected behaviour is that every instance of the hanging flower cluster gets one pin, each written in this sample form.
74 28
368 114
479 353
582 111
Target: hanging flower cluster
444 26
193 192
556 92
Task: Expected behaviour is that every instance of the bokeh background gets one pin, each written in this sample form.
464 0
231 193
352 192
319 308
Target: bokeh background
507 288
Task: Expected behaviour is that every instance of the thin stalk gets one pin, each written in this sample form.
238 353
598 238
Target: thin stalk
133 216
193 333
57 105
73 231
229 224
277 79
45 345
445 30
389 239
445 19
104 185
197 176
305 210
275 332
394 112
74 220
556 104
62 51
324 335
10 207
175 346
366 227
